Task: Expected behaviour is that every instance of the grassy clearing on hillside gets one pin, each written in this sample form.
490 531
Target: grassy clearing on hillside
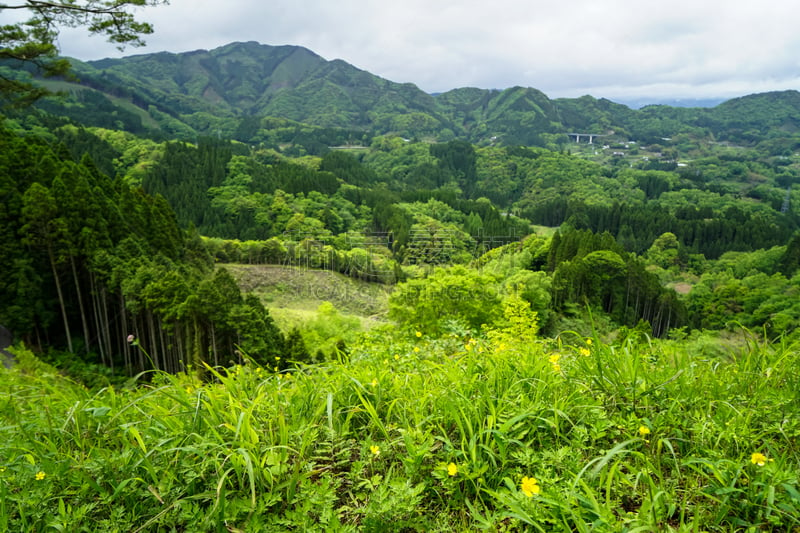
302 290
416 434
544 231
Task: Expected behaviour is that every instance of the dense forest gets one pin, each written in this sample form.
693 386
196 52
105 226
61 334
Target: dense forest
115 234
89 261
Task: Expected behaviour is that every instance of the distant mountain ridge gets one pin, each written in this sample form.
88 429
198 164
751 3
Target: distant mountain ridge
221 91
638 103
251 79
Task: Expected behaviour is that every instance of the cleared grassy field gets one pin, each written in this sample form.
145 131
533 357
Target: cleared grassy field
293 295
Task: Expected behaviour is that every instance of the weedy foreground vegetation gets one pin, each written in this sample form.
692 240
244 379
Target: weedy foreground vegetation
409 431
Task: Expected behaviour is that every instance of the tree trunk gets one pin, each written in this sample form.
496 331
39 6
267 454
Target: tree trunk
124 332
179 346
84 322
60 298
153 340
106 325
214 344
98 326
196 354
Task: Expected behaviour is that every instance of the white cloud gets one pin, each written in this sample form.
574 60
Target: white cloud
608 48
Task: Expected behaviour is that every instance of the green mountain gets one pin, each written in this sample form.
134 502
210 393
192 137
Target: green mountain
212 91
228 91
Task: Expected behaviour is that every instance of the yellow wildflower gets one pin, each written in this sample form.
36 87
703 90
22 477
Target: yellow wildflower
554 361
758 459
644 431
584 352
530 486
396 357
416 350
375 450
40 475
419 334
452 469
589 341
374 382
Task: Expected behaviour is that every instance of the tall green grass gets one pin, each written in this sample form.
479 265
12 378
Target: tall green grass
411 433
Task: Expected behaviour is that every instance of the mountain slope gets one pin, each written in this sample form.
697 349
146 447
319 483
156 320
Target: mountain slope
250 79
216 92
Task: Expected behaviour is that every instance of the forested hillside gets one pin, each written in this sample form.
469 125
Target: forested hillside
236 90
97 267
632 228
252 289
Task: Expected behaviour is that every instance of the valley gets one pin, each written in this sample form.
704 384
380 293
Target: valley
250 289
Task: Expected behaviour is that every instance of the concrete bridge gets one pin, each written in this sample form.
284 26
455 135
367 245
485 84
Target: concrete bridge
590 136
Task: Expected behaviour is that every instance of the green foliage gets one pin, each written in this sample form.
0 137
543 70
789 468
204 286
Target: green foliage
593 270
347 168
666 252
721 300
441 420
90 262
34 43
423 433
329 331
455 293
519 323
790 260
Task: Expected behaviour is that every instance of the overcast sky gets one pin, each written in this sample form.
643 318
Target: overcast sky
618 49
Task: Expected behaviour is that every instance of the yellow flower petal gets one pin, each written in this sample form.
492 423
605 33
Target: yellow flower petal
530 486
452 469
758 459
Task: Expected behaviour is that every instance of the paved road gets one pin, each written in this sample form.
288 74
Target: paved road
5 342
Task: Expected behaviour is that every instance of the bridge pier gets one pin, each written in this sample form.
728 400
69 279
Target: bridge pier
589 136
